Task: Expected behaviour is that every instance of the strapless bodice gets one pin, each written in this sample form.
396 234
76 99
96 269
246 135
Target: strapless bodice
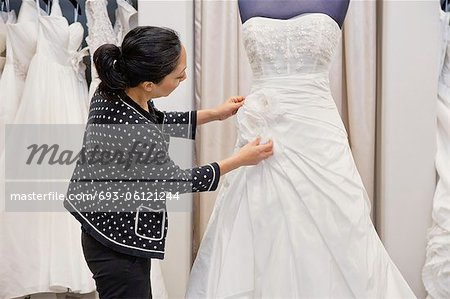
290 61
304 44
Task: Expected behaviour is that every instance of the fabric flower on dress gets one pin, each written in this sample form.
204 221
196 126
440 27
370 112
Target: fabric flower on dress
257 115
75 39
77 63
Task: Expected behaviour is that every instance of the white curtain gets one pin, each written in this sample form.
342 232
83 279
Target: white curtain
353 78
222 69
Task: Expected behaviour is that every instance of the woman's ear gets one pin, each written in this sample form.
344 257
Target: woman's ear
148 86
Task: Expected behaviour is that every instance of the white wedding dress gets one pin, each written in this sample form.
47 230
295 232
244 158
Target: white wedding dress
57 60
101 31
436 271
126 19
5 18
41 251
21 40
298 224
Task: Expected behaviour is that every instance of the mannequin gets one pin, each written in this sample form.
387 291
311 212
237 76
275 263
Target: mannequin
286 9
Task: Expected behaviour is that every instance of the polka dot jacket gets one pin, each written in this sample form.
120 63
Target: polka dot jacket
124 174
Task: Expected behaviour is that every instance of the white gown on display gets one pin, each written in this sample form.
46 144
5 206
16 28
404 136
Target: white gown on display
101 31
21 47
436 272
126 19
5 18
298 224
41 251
57 60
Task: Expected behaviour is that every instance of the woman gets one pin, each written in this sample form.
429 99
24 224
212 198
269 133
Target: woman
124 165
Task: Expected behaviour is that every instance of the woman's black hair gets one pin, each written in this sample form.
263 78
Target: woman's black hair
147 54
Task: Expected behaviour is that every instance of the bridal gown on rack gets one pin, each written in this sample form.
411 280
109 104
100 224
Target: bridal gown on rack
436 271
5 18
126 19
101 31
21 46
41 251
298 224
57 60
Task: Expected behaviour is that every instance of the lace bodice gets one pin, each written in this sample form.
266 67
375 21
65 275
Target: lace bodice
303 44
101 31
99 26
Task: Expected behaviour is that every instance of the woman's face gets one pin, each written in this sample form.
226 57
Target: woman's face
172 80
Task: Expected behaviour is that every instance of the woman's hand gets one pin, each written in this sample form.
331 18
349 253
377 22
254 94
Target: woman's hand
229 107
250 154
253 152
221 112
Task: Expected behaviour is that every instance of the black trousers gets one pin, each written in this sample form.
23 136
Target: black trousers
117 275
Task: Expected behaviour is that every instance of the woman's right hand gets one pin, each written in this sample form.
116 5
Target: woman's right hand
253 152
250 154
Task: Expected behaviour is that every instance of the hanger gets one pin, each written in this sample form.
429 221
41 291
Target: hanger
48 7
75 4
445 5
133 3
77 8
5 5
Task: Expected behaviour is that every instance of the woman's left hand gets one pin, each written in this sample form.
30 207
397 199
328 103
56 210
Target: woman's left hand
229 107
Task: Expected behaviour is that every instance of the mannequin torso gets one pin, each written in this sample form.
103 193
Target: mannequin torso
286 9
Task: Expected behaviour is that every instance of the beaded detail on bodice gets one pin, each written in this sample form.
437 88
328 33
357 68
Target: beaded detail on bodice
303 44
